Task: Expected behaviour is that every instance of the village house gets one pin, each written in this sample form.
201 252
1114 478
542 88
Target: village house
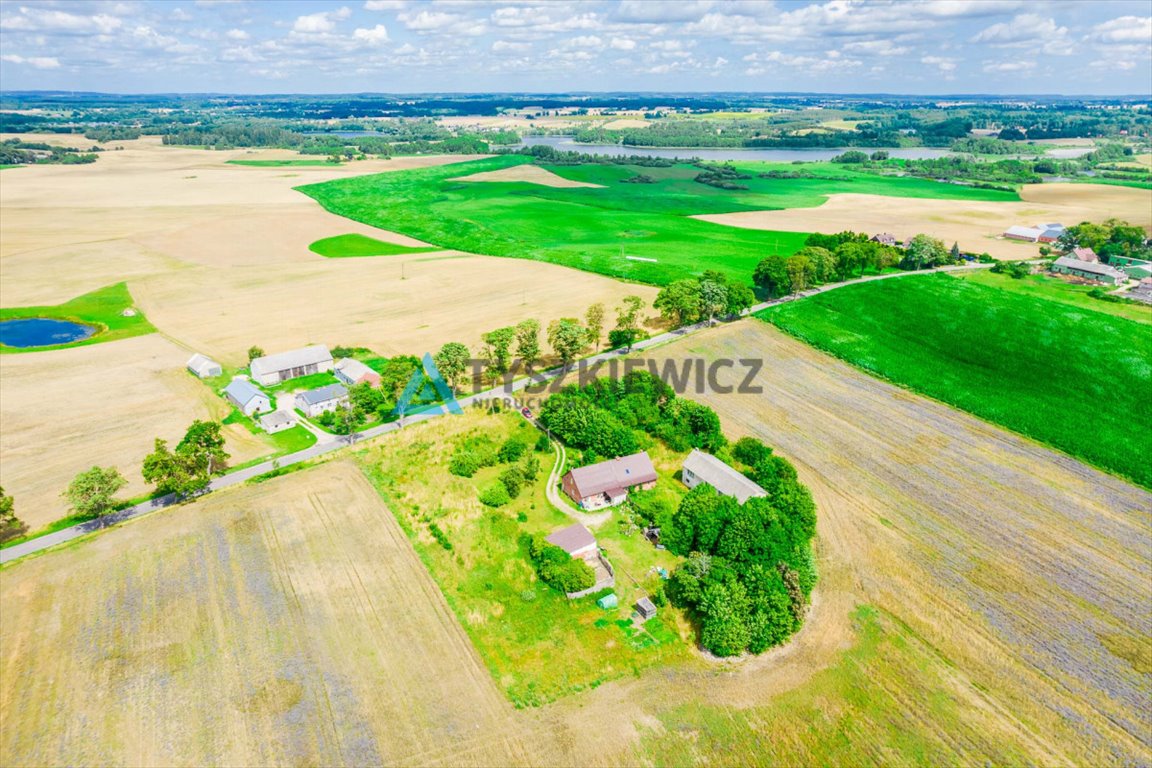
353 372
1088 270
884 238
700 467
204 367
316 401
273 369
607 484
579 542
277 421
244 395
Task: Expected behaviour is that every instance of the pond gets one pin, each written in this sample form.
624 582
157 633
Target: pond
42 332
567 144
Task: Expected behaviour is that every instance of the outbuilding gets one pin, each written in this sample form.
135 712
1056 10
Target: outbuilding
1024 234
1088 270
204 367
608 602
702 467
353 372
645 607
273 369
244 395
277 421
607 483
316 401
576 540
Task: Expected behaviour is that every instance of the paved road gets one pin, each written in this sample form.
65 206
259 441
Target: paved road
241 475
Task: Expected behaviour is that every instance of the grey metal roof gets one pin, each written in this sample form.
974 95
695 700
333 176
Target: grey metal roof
1091 267
296 358
354 369
199 361
722 477
621 473
572 539
324 394
243 391
275 419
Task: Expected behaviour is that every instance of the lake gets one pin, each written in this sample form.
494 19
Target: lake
566 143
42 332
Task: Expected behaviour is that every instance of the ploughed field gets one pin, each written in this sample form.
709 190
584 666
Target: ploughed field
1071 377
591 218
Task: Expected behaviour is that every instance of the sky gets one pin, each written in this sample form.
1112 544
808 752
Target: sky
1099 47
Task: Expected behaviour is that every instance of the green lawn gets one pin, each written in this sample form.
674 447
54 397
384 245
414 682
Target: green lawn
537 644
1073 378
102 308
353 245
638 232
281 163
311 381
1055 289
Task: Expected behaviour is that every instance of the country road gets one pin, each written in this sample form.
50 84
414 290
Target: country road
502 391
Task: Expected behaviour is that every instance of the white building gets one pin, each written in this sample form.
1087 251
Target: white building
244 395
204 367
316 401
277 421
273 369
702 467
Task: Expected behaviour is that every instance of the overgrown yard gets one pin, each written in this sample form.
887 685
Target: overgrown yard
103 308
538 644
1076 379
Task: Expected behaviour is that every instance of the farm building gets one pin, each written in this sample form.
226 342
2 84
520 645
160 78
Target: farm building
1050 233
316 401
607 483
204 367
646 608
273 369
353 372
576 540
244 395
1142 292
1084 254
1024 234
1066 265
277 421
705 468
884 238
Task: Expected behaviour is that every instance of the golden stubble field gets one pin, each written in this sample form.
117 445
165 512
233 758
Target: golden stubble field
290 622
975 225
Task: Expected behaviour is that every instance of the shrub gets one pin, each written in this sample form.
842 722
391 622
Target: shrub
750 451
530 468
464 464
512 449
495 495
440 536
543 444
513 480
557 568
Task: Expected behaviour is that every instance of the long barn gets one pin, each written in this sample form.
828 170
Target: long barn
273 369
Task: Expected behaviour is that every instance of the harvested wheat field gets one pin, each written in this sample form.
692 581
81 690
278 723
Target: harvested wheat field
400 304
260 627
531 174
975 225
65 410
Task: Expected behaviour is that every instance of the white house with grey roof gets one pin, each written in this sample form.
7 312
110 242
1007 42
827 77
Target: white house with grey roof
273 369
316 401
705 468
244 395
203 366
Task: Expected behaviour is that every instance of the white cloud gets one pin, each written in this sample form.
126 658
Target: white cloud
374 36
38 62
180 15
505 46
1124 30
942 63
60 22
657 11
882 47
623 44
385 5
236 34
584 41
319 23
425 21
1009 67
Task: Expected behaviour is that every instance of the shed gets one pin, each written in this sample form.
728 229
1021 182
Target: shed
277 421
204 367
245 396
645 608
608 602
576 540
353 372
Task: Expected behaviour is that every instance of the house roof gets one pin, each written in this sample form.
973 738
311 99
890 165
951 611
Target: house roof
354 369
1053 234
613 475
243 391
722 477
1090 267
1085 254
324 394
275 419
572 539
296 358
199 361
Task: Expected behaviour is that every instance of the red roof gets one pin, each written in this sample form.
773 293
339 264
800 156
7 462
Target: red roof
613 475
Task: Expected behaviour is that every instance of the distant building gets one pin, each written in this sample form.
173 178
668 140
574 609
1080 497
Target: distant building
273 369
1142 292
353 372
277 421
204 367
244 395
1024 234
884 238
1050 234
607 483
1088 270
1084 254
705 468
316 401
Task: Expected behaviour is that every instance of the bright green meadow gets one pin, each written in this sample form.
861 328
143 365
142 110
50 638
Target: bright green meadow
103 308
640 232
1074 378
353 245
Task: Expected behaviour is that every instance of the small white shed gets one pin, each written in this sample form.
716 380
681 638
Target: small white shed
203 366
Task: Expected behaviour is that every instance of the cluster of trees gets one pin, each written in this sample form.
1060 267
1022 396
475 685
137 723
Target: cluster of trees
1112 238
607 417
11 527
721 176
988 146
478 451
557 568
188 470
703 298
18 152
543 154
749 568
856 157
1017 270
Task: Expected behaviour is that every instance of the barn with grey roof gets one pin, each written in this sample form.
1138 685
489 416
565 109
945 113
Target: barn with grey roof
247 397
702 467
273 369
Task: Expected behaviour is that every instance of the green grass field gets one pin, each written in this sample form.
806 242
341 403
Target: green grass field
1055 289
281 163
638 232
102 308
353 245
1073 378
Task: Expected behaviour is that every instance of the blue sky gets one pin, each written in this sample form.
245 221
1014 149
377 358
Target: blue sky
315 46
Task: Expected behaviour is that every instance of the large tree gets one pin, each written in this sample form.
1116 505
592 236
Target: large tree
452 362
771 276
92 493
567 338
204 444
713 298
10 525
498 348
924 252
528 341
594 318
171 472
679 302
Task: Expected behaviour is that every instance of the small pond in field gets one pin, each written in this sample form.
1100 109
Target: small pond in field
42 332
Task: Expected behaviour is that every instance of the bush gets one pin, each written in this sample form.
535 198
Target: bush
513 480
512 449
543 444
750 451
495 495
464 464
557 568
439 535
530 468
